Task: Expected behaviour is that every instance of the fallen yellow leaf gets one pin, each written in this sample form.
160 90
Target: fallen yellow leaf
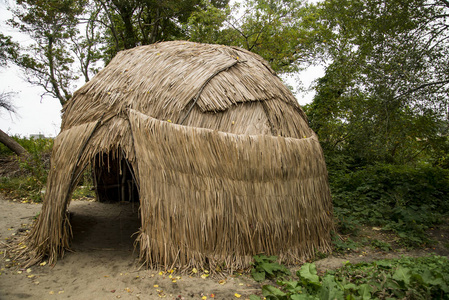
237 295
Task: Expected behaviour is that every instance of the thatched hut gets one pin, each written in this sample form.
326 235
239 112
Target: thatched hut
217 149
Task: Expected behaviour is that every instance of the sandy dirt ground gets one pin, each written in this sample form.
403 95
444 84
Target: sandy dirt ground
104 265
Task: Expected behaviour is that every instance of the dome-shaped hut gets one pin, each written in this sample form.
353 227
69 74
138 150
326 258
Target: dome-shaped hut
217 149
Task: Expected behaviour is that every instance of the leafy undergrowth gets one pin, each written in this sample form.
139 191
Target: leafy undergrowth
25 177
404 278
403 200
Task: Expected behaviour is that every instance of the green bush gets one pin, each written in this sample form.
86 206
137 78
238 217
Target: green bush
31 182
30 144
404 199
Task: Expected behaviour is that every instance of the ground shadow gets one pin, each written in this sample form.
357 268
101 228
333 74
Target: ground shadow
104 226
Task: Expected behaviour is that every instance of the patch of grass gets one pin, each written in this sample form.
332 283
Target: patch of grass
24 187
83 192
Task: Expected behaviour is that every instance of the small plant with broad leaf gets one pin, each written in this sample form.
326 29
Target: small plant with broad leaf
266 267
405 278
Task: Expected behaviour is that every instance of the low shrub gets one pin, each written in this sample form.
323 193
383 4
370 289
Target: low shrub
404 199
31 182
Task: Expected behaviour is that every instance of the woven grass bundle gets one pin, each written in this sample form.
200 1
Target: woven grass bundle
222 155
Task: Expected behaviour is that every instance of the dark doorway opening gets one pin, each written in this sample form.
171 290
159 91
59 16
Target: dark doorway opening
114 179
104 226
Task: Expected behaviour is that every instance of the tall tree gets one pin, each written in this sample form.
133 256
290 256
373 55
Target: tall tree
385 93
47 61
87 45
127 24
282 32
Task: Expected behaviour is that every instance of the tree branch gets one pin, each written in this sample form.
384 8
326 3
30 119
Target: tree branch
421 87
445 2
12 144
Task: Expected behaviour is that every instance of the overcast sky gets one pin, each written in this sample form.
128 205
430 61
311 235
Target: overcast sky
36 115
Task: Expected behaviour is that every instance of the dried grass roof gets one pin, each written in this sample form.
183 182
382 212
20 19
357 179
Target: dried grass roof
225 162
166 80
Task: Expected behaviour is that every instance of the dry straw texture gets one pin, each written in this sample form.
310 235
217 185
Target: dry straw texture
242 175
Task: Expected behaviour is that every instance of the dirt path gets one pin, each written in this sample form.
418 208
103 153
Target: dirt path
103 264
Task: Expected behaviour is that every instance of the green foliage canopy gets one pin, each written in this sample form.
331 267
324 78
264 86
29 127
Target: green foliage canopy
8 49
47 61
282 32
384 96
127 24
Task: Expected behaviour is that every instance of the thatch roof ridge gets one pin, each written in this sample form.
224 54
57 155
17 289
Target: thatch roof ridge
163 79
264 146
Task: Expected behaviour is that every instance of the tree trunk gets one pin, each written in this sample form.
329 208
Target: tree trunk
12 144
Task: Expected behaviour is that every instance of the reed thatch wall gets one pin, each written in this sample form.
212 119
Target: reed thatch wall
225 162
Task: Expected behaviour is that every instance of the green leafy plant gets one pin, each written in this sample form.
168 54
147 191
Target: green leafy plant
34 167
384 246
405 278
266 267
403 199
343 245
